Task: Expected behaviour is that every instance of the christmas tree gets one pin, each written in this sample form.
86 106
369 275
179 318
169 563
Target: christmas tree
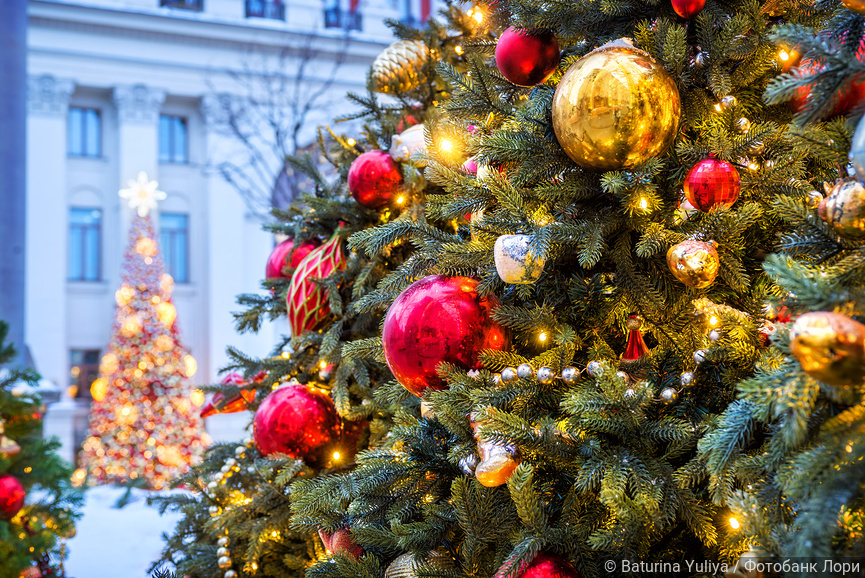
38 505
618 320
144 422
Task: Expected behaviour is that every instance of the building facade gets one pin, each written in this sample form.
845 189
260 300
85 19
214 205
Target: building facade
116 87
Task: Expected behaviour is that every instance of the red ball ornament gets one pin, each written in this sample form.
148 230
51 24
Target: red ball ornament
527 57
688 8
296 420
282 256
306 300
11 496
341 542
373 178
549 566
712 183
439 319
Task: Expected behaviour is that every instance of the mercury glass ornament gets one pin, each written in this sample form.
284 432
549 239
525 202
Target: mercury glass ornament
570 375
669 396
594 368
224 562
509 375
524 370
546 375
700 356
687 378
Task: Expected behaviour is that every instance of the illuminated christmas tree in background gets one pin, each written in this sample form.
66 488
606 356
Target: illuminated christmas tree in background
144 420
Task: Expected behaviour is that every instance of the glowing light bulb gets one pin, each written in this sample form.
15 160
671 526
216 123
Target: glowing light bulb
734 523
718 107
336 455
754 166
644 204
542 336
351 142
322 364
783 56
446 145
478 16
458 50
713 320
285 355
400 200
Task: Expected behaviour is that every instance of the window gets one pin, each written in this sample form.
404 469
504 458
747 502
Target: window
273 9
174 242
172 139
85 244
197 5
83 370
85 132
337 18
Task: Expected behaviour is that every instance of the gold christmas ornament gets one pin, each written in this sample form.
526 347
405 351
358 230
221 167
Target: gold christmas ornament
854 5
844 208
498 461
830 347
515 263
8 447
694 263
615 108
399 68
405 565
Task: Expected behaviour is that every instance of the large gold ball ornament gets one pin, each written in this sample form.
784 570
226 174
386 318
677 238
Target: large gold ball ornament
844 208
405 565
854 5
399 67
830 347
615 108
694 263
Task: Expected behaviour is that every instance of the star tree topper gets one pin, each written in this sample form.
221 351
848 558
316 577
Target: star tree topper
142 194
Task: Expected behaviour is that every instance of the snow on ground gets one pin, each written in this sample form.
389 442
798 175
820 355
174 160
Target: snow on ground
117 543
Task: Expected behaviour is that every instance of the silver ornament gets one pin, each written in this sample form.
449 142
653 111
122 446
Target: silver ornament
212 486
687 378
497 379
701 59
814 199
714 335
231 462
546 375
224 562
223 551
239 451
225 469
630 393
758 148
743 125
570 375
594 368
230 574
700 356
524 370
251 470
213 510
223 541
728 101
468 464
669 396
509 375
622 375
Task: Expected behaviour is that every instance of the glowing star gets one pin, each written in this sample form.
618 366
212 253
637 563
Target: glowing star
142 194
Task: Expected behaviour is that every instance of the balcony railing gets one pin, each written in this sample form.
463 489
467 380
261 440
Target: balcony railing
265 9
336 18
196 5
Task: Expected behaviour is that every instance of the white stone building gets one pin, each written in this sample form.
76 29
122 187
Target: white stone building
121 86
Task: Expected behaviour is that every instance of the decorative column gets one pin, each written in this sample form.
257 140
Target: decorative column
47 243
138 109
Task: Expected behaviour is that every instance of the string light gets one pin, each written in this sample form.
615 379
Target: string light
718 107
713 320
734 523
446 145
542 336
459 50
351 142
644 204
783 55
754 166
478 16
400 200
322 364
336 456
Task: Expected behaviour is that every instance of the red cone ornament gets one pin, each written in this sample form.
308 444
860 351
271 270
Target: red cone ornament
11 496
298 421
636 348
688 8
527 57
306 300
549 566
439 319
233 403
712 183
282 257
373 178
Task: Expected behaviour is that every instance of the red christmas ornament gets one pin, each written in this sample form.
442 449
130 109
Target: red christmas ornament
470 166
373 178
11 496
296 420
32 572
712 183
341 542
306 299
636 348
439 319
233 403
688 8
846 99
527 57
549 566
282 256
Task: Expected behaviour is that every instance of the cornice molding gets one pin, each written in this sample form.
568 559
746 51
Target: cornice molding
48 95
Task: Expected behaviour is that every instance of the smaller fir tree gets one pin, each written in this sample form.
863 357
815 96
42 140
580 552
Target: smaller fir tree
31 534
144 423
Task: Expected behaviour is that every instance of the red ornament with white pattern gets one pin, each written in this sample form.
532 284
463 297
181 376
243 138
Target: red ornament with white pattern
373 178
307 300
712 183
527 57
285 255
438 319
297 420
